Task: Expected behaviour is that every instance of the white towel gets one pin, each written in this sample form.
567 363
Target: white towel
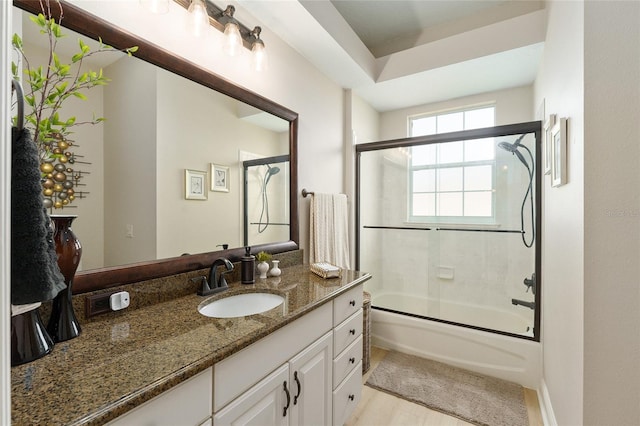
329 236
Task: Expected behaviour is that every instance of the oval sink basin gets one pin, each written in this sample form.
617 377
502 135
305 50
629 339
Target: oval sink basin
241 305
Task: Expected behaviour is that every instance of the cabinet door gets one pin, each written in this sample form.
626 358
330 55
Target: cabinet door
262 405
310 374
188 403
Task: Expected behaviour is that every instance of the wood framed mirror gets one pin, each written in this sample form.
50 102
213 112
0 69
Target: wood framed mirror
82 22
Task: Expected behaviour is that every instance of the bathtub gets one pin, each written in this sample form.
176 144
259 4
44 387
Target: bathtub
506 357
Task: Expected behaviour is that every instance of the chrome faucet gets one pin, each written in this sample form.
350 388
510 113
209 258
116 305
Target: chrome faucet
217 279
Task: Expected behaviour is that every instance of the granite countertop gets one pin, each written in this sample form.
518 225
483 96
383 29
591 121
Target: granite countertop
120 362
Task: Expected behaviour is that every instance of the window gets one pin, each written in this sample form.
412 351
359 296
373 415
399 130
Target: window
452 181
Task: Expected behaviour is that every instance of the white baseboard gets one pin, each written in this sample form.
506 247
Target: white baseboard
546 409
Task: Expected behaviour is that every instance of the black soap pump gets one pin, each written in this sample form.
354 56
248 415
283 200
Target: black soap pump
248 267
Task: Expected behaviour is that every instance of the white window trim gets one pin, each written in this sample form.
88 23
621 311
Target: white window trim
452 221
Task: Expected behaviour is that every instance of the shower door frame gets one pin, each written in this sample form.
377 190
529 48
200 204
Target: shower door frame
245 181
534 127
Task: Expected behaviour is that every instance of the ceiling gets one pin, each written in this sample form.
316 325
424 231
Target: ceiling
400 53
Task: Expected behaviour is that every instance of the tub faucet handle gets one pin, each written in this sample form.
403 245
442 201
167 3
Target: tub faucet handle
530 283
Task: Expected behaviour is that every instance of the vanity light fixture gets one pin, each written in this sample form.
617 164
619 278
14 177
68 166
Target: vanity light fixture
232 44
197 18
259 59
236 35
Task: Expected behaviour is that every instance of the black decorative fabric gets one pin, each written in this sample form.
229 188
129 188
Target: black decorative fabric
35 275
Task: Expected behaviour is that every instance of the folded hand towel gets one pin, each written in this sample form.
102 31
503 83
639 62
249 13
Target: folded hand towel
35 275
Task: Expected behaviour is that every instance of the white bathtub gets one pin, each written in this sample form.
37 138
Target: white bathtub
516 321
510 358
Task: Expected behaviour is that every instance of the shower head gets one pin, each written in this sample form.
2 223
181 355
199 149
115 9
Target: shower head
510 147
270 172
513 148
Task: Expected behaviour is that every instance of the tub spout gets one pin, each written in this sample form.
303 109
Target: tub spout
530 305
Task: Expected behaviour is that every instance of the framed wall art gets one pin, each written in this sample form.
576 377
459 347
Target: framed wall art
195 185
546 143
559 153
219 178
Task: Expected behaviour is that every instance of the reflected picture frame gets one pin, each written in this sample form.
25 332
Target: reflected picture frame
195 184
559 153
219 178
546 143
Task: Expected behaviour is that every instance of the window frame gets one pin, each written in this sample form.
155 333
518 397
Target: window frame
448 219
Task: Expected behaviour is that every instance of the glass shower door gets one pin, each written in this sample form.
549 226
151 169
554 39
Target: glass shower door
447 227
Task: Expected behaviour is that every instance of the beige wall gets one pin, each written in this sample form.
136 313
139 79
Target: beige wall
560 83
512 106
611 213
130 162
590 74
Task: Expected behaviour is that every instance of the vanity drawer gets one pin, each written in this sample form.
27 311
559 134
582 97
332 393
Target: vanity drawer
345 362
347 396
347 304
347 332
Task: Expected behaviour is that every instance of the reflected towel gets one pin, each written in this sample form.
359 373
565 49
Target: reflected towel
329 226
35 275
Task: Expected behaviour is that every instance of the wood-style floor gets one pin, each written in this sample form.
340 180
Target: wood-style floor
380 408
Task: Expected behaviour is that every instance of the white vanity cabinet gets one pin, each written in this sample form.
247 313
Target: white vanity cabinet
297 393
312 367
347 354
188 403
283 379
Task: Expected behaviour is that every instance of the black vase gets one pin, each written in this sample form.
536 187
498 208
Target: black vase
29 338
63 324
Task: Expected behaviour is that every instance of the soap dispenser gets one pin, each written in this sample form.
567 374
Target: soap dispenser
248 267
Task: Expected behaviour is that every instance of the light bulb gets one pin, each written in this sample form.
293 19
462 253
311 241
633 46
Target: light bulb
259 58
156 6
232 45
197 18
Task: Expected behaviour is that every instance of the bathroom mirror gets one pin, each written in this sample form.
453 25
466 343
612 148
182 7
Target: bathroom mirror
197 80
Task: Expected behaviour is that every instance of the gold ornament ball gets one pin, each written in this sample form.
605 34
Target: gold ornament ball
63 159
72 197
57 205
63 145
48 192
60 177
46 167
65 202
57 187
